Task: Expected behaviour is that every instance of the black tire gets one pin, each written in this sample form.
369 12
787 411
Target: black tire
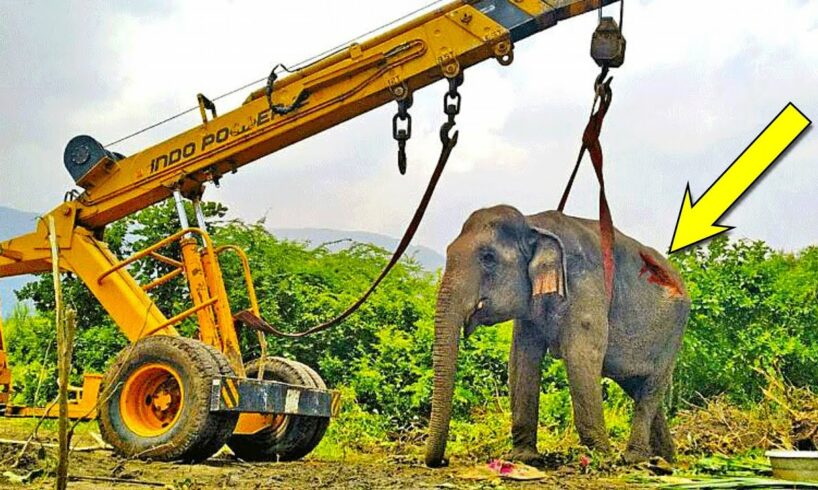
227 370
178 375
294 435
320 429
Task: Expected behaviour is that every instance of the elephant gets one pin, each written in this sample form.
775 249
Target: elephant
545 272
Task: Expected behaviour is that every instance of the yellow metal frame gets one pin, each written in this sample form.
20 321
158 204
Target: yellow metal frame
210 302
248 276
83 406
387 67
208 293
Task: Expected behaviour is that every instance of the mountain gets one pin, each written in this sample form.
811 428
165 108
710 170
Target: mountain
339 239
13 223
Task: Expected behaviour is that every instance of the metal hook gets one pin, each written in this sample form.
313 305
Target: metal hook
444 133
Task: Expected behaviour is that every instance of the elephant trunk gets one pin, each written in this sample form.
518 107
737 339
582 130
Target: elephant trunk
448 323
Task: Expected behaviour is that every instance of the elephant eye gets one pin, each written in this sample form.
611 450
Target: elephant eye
488 258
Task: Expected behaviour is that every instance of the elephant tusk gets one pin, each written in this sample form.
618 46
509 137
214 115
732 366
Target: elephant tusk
480 305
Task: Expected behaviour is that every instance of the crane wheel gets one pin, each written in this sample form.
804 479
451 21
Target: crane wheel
288 437
158 403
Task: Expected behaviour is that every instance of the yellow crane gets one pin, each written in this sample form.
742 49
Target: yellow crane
173 398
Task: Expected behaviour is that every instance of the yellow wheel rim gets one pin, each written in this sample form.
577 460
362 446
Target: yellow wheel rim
151 400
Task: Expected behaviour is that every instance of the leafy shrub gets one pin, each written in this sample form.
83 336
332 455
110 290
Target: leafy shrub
32 352
753 309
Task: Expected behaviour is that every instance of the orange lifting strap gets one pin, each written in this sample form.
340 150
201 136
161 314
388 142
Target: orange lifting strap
590 142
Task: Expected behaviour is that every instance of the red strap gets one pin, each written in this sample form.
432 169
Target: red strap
590 142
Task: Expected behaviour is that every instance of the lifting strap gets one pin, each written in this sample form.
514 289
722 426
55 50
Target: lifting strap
590 142
250 320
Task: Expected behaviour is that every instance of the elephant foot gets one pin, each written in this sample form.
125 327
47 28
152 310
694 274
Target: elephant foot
669 456
600 445
527 456
635 455
668 453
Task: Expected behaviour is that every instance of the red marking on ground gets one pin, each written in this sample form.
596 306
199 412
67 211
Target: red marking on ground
659 275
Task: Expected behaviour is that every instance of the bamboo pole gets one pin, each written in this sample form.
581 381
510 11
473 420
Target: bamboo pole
65 321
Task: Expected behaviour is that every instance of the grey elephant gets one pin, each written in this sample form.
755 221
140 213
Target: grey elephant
545 272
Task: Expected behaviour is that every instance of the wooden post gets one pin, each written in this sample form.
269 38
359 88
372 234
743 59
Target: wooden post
65 322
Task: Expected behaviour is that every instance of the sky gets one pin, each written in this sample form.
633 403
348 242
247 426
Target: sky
700 81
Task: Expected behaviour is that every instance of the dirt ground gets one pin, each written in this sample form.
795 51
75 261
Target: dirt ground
224 471
300 475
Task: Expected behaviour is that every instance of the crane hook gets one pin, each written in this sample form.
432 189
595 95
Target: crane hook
451 107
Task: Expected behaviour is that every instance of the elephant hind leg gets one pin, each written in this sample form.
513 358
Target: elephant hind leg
661 442
649 432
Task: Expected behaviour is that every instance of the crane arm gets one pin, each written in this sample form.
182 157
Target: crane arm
354 80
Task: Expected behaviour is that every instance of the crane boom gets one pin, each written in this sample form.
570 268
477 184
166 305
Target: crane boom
343 85
338 88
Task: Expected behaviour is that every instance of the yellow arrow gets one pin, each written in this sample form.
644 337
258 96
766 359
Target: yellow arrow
697 221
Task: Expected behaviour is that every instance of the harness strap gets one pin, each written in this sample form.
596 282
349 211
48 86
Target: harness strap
590 142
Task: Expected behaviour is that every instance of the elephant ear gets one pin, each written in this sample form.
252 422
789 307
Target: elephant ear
546 269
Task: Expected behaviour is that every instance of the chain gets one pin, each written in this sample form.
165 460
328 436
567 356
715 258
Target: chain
402 130
451 107
402 121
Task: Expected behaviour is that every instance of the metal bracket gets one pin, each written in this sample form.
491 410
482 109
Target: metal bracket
205 105
478 24
448 64
232 394
487 30
398 88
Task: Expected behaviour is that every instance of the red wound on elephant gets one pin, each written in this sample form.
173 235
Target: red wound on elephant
659 275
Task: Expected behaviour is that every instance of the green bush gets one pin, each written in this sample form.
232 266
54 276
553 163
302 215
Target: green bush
31 340
753 309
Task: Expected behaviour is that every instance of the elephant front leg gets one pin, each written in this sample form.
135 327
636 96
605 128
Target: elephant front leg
527 351
584 352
